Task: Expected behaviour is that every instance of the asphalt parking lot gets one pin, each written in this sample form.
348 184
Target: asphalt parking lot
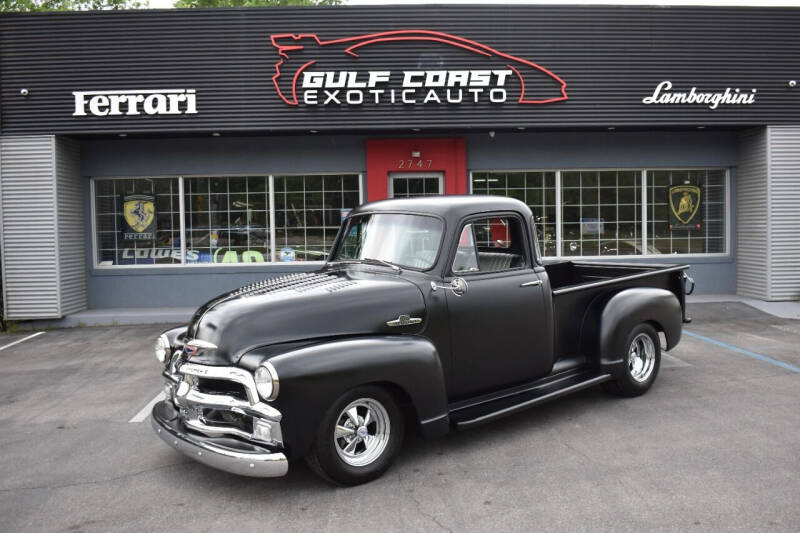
715 445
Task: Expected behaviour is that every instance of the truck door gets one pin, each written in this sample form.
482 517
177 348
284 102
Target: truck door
499 337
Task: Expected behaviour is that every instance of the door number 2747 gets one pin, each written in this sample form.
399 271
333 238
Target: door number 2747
414 163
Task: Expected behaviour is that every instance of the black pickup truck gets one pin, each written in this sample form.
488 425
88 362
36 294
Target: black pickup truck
434 313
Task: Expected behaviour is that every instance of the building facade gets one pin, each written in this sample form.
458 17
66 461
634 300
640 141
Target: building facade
158 158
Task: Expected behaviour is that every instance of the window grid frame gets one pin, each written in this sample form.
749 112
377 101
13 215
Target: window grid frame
542 188
643 222
703 177
359 176
115 214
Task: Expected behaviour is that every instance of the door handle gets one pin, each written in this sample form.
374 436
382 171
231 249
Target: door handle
532 283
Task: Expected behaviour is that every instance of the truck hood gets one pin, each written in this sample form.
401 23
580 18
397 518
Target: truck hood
303 306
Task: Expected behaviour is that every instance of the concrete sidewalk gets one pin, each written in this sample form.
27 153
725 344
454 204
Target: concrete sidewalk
778 309
128 316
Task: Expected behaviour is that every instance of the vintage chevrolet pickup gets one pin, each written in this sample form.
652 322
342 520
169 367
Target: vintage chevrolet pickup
430 313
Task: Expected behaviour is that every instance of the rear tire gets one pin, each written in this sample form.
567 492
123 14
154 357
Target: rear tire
359 437
641 363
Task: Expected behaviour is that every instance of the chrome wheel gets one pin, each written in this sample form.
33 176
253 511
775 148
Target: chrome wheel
641 357
362 432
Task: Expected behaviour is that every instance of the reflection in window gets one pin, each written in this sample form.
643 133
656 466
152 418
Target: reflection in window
535 189
601 212
137 221
466 259
706 231
407 240
415 186
308 213
500 243
227 220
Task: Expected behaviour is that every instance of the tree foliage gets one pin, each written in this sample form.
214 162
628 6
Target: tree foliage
69 5
255 3
85 5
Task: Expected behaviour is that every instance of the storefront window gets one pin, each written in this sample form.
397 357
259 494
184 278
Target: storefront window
137 221
601 212
226 219
536 189
686 211
308 213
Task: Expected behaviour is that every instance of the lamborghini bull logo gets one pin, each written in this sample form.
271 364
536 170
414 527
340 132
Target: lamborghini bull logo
684 205
435 68
139 213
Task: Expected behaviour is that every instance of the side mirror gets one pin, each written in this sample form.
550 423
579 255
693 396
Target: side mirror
459 286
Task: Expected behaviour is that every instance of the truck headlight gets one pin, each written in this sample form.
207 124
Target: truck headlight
267 381
162 348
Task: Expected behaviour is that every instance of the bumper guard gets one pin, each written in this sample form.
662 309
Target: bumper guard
226 454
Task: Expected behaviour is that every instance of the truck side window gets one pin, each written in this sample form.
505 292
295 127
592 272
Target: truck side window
500 243
466 255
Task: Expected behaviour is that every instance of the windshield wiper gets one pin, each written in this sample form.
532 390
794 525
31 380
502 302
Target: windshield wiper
381 262
367 260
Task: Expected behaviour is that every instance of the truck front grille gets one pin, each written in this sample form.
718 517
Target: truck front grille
222 386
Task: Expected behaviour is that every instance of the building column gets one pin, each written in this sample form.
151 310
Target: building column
41 227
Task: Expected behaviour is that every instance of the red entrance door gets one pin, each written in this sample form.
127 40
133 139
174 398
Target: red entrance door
390 159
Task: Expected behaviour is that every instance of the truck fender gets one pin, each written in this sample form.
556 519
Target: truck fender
630 307
313 377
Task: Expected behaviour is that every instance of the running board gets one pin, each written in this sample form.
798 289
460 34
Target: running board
481 414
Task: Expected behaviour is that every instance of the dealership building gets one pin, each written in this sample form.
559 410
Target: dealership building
154 159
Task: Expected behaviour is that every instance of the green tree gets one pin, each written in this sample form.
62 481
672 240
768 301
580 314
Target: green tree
85 5
255 3
69 5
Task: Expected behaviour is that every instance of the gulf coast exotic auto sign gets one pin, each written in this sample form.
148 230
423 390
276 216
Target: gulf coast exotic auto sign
479 73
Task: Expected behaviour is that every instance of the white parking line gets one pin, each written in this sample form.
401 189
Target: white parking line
670 361
142 415
10 344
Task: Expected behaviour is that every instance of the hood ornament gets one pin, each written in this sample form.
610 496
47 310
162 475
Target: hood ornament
403 320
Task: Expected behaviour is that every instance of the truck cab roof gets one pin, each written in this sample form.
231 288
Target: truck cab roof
451 208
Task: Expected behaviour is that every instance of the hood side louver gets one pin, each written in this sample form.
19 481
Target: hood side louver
301 282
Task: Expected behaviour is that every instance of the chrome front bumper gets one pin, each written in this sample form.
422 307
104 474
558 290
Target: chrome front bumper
248 438
223 453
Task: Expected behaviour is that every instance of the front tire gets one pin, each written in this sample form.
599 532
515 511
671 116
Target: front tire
641 363
359 437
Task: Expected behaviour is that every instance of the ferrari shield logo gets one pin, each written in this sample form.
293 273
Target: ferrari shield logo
684 206
139 213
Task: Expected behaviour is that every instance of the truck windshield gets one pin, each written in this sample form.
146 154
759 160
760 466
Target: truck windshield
405 240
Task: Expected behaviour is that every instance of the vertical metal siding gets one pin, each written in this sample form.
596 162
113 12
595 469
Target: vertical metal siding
752 216
27 199
784 213
70 229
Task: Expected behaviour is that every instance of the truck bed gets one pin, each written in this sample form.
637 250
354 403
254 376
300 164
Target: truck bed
575 285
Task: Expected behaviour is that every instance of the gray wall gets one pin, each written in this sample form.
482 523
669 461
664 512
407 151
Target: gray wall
41 224
752 215
71 244
185 286
784 210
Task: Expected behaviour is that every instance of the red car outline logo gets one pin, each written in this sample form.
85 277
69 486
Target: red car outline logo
402 35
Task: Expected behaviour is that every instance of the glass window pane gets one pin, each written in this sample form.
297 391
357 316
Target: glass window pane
227 220
600 216
536 189
135 221
309 211
686 211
